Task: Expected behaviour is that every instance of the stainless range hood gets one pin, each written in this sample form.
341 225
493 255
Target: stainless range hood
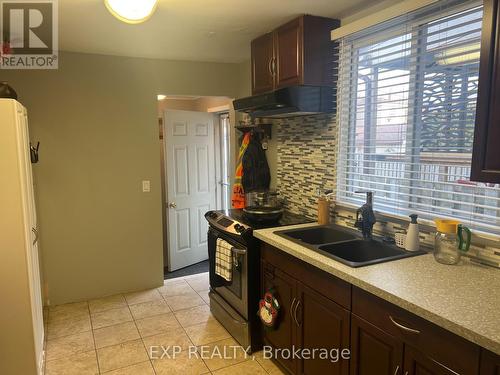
289 102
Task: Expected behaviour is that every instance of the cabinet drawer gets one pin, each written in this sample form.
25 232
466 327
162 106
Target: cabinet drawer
329 286
441 345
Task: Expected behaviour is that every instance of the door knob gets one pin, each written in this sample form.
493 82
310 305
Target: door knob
172 205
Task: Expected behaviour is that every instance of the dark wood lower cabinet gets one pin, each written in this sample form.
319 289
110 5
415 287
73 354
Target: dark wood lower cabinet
374 351
322 313
321 324
490 363
417 363
306 320
283 336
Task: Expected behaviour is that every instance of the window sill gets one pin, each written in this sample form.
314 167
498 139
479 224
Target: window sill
428 225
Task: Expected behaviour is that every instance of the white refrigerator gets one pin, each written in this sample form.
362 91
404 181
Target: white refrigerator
21 312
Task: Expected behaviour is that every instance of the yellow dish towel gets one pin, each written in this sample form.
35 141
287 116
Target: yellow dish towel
224 260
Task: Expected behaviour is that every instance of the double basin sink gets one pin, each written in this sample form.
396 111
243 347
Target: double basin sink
345 246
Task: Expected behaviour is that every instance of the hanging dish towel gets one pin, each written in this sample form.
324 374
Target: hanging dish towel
224 260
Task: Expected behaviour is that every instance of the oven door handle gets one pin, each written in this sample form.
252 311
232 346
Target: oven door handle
238 251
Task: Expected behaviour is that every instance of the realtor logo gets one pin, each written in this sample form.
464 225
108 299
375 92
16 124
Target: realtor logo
29 38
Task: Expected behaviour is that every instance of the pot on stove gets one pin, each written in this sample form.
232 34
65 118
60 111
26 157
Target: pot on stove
263 206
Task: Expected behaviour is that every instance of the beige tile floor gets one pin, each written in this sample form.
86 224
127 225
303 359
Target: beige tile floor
113 335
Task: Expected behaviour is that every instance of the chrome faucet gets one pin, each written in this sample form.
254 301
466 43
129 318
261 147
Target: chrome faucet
365 217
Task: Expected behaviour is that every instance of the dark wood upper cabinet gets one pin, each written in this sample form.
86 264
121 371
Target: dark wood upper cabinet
262 60
299 52
289 53
486 153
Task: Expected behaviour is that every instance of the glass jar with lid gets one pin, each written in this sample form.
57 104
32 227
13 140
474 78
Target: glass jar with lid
449 242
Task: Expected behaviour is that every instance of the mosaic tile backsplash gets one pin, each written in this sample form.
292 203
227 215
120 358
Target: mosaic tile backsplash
306 161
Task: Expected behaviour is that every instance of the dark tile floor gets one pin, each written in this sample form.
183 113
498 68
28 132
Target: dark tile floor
186 271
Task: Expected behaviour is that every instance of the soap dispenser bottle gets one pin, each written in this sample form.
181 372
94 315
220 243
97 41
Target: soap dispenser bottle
412 242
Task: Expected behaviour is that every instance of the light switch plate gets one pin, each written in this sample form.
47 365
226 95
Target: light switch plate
146 186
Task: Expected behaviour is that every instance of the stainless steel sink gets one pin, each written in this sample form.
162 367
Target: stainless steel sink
346 246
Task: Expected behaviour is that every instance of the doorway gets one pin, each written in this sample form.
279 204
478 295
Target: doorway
224 155
195 135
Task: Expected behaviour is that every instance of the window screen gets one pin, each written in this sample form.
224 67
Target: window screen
407 100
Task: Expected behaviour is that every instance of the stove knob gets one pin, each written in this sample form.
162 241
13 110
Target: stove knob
237 227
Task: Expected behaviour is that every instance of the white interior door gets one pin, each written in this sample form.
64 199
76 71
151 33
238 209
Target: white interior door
190 177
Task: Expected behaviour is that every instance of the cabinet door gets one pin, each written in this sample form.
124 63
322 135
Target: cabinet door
417 363
283 335
373 351
262 64
490 363
486 153
289 53
321 324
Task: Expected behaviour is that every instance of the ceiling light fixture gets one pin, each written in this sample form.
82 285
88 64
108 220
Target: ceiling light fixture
131 11
161 97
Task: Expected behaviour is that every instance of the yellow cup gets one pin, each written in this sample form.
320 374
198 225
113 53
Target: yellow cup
447 225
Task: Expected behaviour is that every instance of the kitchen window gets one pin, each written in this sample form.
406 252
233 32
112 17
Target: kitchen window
407 99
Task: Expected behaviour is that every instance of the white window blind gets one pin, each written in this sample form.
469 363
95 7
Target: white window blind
407 99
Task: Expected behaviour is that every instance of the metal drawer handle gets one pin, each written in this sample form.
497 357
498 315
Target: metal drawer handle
291 308
295 313
238 251
36 235
397 370
404 328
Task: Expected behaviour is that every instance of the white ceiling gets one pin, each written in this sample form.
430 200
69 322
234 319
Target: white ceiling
199 30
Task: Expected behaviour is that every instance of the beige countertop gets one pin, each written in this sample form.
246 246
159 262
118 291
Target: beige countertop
464 299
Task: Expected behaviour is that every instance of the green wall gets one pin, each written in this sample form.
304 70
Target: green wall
96 119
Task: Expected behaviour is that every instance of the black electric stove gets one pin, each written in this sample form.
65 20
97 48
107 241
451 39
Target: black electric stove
235 303
236 223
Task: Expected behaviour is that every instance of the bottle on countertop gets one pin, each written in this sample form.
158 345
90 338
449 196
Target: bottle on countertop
324 203
412 242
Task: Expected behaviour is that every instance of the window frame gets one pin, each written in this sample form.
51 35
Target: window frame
414 115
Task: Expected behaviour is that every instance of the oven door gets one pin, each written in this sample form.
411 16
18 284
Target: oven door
234 292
